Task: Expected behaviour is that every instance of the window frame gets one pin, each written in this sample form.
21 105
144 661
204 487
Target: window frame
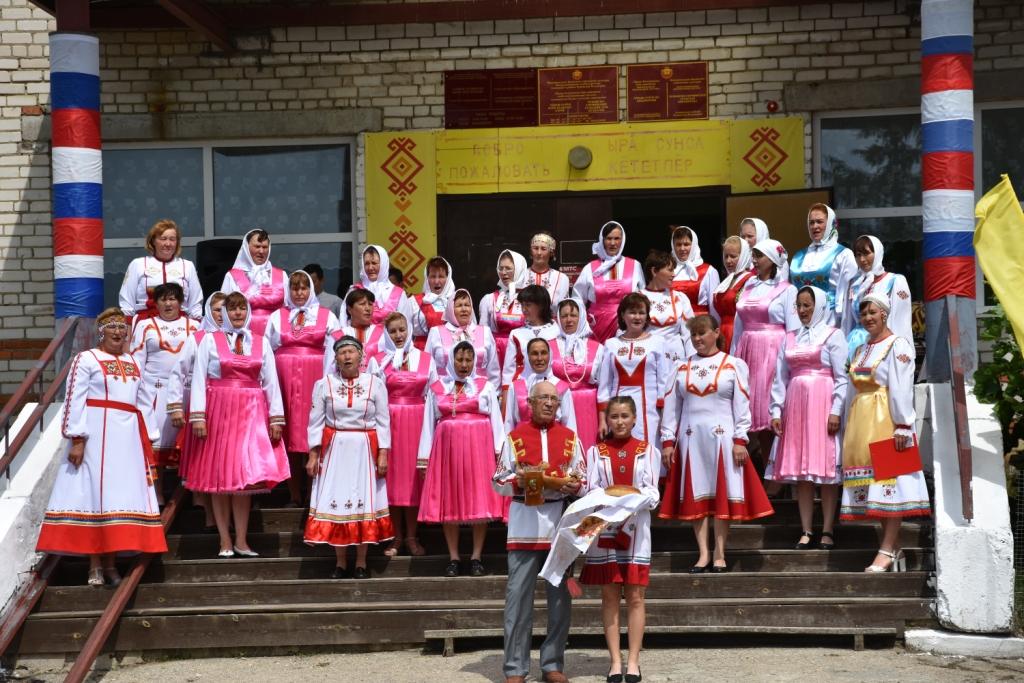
207 146
903 211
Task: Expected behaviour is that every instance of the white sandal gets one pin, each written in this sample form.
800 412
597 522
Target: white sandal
96 577
898 564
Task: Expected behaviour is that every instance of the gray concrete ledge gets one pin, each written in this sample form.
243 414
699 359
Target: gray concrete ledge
962 644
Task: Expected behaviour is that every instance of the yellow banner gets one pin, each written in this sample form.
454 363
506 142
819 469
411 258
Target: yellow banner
767 154
623 156
401 200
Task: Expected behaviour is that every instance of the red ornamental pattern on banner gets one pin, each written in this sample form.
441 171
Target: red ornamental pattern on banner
765 156
402 167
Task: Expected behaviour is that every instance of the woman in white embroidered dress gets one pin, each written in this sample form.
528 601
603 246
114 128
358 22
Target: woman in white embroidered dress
156 346
542 252
103 502
165 265
670 309
349 440
873 279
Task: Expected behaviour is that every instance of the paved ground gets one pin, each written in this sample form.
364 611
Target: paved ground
584 666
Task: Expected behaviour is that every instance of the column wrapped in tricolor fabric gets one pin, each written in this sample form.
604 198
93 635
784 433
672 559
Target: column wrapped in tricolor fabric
947 176
77 175
947 141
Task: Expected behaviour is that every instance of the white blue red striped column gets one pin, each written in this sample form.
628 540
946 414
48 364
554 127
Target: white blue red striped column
947 142
77 175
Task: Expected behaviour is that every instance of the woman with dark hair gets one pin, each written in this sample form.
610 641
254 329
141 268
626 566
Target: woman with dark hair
704 446
164 265
461 439
253 275
298 334
537 324
670 309
603 282
359 311
635 365
156 346
349 440
872 278
692 276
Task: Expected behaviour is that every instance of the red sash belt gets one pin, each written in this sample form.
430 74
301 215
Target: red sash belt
329 432
147 447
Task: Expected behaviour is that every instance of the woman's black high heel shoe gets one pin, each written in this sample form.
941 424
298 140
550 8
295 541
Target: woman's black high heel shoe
810 541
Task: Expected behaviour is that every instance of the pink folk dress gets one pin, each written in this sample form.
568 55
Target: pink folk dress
607 294
582 380
300 363
461 445
805 451
758 346
382 308
407 387
237 455
263 300
507 317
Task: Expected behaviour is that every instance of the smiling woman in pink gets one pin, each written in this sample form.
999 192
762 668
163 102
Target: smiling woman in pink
603 282
254 276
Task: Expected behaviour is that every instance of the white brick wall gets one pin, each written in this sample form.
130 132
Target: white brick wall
399 69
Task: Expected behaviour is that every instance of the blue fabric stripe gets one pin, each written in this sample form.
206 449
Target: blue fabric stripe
956 135
78 200
70 90
78 296
942 244
947 45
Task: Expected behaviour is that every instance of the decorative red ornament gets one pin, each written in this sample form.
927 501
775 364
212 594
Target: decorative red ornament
772 106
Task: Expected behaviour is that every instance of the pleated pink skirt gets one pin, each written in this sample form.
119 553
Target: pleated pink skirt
584 402
405 487
805 451
458 488
298 372
760 348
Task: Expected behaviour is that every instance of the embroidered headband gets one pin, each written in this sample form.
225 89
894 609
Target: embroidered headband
878 300
543 239
348 340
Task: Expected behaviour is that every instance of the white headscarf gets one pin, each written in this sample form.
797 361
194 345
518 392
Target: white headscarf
382 286
865 279
818 328
577 340
391 353
831 236
775 252
343 318
878 300
311 306
446 292
209 324
607 262
742 266
519 279
227 328
760 230
528 373
258 275
689 266
449 311
450 377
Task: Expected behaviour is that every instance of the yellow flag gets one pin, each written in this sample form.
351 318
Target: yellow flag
999 243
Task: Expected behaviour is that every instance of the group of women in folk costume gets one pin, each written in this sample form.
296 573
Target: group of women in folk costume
404 401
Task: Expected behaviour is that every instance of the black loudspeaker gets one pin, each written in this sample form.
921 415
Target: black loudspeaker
214 259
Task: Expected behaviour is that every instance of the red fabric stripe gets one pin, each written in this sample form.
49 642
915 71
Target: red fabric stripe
947 171
754 506
949 275
348 533
528 546
82 539
78 237
947 72
628 573
76 128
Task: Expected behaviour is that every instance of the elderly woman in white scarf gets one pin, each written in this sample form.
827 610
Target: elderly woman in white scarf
576 359
825 263
808 397
500 311
881 410
426 310
738 262
603 282
693 277
297 333
254 276
765 312
387 296
873 279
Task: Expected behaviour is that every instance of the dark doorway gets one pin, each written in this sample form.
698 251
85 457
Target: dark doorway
474 229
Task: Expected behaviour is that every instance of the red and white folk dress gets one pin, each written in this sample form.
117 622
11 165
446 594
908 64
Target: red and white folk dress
707 412
350 421
107 504
622 553
641 369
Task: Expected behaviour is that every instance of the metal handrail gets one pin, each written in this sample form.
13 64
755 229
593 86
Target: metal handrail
15 404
